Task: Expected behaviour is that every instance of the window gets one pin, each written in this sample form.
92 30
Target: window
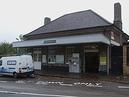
11 62
52 55
0 62
69 52
39 57
35 57
55 55
51 59
60 59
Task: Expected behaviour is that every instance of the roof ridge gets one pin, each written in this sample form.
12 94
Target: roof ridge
76 12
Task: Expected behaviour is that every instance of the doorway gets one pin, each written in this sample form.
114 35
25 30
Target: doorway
91 62
37 60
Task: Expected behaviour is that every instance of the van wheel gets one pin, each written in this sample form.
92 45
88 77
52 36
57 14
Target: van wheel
15 75
32 76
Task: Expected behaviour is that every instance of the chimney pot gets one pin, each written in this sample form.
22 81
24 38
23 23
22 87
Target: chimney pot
47 20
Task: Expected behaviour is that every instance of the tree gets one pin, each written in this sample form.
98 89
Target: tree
6 49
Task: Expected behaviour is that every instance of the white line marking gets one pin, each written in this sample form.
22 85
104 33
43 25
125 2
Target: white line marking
42 82
48 82
54 82
123 87
89 84
70 84
65 84
3 81
35 94
20 82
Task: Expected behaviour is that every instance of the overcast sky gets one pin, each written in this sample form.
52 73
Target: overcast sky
23 16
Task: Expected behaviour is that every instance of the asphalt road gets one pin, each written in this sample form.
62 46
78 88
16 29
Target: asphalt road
56 87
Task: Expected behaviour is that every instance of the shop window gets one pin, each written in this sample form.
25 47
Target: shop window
51 59
39 57
52 55
35 57
60 59
44 59
68 56
55 55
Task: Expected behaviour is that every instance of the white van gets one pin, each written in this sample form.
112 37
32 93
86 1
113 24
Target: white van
17 65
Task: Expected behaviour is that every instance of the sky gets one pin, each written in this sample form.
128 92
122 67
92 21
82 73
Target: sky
23 16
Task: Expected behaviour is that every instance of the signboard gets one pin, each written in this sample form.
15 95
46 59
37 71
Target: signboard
49 41
102 60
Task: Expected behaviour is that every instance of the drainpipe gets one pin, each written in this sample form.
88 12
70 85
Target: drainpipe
108 60
109 56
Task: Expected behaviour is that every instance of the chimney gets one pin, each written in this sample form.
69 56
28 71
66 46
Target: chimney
47 20
117 15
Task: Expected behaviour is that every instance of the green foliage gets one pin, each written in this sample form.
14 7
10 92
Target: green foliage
6 49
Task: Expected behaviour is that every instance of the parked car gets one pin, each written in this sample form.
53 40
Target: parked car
17 65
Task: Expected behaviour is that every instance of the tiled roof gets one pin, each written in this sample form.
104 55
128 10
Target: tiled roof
72 21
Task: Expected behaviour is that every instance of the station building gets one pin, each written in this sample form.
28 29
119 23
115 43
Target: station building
80 42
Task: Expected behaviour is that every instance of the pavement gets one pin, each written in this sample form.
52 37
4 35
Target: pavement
78 77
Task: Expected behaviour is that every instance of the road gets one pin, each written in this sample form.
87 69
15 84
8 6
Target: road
56 87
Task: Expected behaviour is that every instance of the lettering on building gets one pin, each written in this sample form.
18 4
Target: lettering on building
49 41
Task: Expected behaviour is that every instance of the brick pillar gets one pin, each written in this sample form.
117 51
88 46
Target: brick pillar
125 66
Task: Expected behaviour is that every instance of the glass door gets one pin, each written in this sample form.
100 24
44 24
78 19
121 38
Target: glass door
37 60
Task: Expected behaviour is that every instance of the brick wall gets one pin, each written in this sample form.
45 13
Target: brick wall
125 67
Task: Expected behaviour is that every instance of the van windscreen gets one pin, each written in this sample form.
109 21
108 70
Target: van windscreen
0 62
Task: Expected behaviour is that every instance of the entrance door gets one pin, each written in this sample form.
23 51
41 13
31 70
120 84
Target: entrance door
116 60
91 62
37 60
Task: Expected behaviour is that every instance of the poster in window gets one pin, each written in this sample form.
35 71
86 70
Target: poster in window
51 59
103 60
43 58
60 59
